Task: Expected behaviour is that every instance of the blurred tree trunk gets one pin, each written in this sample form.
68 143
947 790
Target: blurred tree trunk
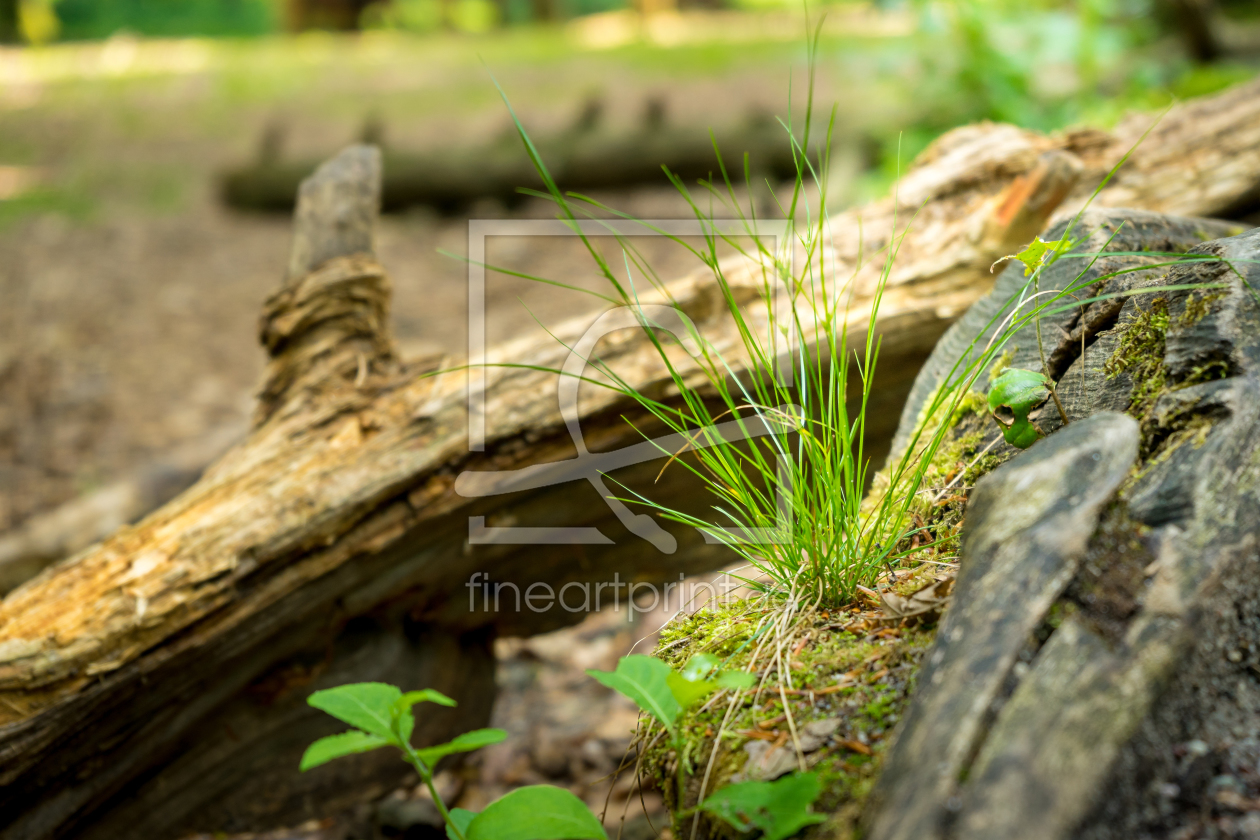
9 22
545 10
1193 21
340 15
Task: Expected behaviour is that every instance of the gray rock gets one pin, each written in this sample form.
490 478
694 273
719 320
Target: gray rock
1122 724
816 733
1029 523
766 762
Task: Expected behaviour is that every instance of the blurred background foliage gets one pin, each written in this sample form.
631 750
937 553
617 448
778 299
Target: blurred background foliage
903 71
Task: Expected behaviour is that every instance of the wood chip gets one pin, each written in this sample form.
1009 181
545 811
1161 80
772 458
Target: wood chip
856 746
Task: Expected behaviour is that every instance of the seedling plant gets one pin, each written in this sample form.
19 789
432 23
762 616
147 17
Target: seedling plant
382 716
779 809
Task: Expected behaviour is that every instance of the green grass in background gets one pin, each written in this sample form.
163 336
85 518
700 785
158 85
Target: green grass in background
186 108
90 19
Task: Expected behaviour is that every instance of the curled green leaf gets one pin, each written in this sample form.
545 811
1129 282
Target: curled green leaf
1015 395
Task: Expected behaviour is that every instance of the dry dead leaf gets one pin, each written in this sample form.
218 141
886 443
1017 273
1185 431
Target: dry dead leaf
923 605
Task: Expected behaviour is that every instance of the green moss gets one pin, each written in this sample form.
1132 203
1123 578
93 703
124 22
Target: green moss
1001 363
723 632
863 679
1141 354
1198 304
973 402
1141 350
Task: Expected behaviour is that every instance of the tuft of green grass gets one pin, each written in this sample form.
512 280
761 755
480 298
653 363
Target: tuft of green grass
790 500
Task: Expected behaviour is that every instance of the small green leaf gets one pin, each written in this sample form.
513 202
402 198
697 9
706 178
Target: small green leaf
538 812
335 746
644 680
779 809
1014 395
736 679
401 710
1039 252
689 692
428 695
467 742
700 666
366 706
462 817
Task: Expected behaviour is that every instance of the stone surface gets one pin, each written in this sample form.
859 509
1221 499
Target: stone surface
1028 525
1136 710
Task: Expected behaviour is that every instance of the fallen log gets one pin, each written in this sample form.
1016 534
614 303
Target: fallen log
125 670
583 158
68 529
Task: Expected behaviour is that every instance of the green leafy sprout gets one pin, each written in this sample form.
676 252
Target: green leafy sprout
1039 253
382 716
665 693
779 808
1014 395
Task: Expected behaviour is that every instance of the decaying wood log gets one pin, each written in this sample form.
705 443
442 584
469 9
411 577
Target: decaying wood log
68 529
223 716
118 665
1200 159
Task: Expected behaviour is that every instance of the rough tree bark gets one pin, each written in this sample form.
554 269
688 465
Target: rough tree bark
128 671
1097 667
